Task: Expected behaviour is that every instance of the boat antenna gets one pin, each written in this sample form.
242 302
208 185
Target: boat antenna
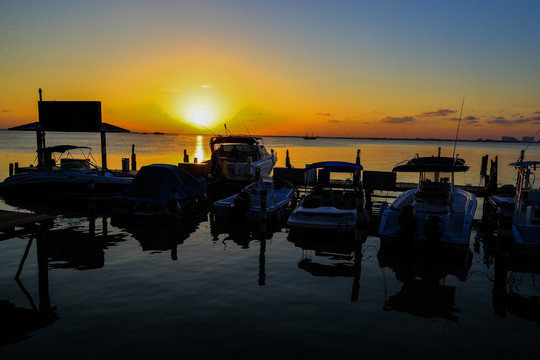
227 130
459 123
210 131
246 128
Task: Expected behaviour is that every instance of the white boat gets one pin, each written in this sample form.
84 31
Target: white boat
526 217
59 173
249 203
331 204
240 157
435 210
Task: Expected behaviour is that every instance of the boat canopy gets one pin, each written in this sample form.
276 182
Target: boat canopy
61 148
432 164
525 163
335 166
157 182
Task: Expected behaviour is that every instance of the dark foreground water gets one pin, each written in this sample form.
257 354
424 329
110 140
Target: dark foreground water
201 289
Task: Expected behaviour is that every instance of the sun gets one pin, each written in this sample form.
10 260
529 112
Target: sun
200 114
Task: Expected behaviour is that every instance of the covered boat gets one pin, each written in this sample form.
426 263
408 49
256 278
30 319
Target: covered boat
263 198
159 190
59 173
435 210
240 157
332 204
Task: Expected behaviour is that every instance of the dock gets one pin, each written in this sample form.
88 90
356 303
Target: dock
14 223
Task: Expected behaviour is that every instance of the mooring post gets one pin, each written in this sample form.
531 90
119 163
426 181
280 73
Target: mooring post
288 160
10 169
133 158
186 156
104 150
263 214
358 157
483 170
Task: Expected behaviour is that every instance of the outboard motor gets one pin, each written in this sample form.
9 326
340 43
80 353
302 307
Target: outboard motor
407 220
433 229
242 203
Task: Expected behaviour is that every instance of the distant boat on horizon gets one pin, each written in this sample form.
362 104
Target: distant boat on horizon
307 137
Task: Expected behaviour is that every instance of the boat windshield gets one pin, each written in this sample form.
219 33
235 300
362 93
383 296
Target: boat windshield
240 152
436 177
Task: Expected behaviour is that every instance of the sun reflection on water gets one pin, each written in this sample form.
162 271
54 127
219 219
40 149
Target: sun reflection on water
199 149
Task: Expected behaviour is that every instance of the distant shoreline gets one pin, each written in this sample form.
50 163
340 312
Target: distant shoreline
344 137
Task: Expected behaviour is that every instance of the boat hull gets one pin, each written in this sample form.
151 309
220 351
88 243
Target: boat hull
64 183
454 220
279 195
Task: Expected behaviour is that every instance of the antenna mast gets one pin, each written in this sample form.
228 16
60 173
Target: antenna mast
459 123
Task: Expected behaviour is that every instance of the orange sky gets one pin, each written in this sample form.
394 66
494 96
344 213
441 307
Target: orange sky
360 69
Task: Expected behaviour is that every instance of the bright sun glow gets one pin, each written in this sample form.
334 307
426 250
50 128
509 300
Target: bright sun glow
200 114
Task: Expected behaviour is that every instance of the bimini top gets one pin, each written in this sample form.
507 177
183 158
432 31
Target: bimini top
250 140
432 164
61 148
335 166
525 163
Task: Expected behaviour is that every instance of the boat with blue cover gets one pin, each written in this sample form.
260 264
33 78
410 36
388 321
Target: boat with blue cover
160 190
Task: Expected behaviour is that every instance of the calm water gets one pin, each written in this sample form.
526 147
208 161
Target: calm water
205 290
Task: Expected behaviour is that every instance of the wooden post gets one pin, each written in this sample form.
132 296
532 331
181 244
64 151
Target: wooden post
263 215
103 150
133 158
288 160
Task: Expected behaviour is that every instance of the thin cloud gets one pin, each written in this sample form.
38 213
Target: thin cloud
398 120
323 114
438 112
501 120
7 111
334 121
206 86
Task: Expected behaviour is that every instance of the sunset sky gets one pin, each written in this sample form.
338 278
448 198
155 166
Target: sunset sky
334 68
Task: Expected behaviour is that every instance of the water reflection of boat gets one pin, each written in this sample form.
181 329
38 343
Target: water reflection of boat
424 292
240 157
320 257
60 174
248 203
436 210
515 291
163 236
243 234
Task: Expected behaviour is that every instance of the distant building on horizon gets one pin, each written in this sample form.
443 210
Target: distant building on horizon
508 138
528 139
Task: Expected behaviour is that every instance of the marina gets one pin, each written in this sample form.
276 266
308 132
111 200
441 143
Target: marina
182 278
